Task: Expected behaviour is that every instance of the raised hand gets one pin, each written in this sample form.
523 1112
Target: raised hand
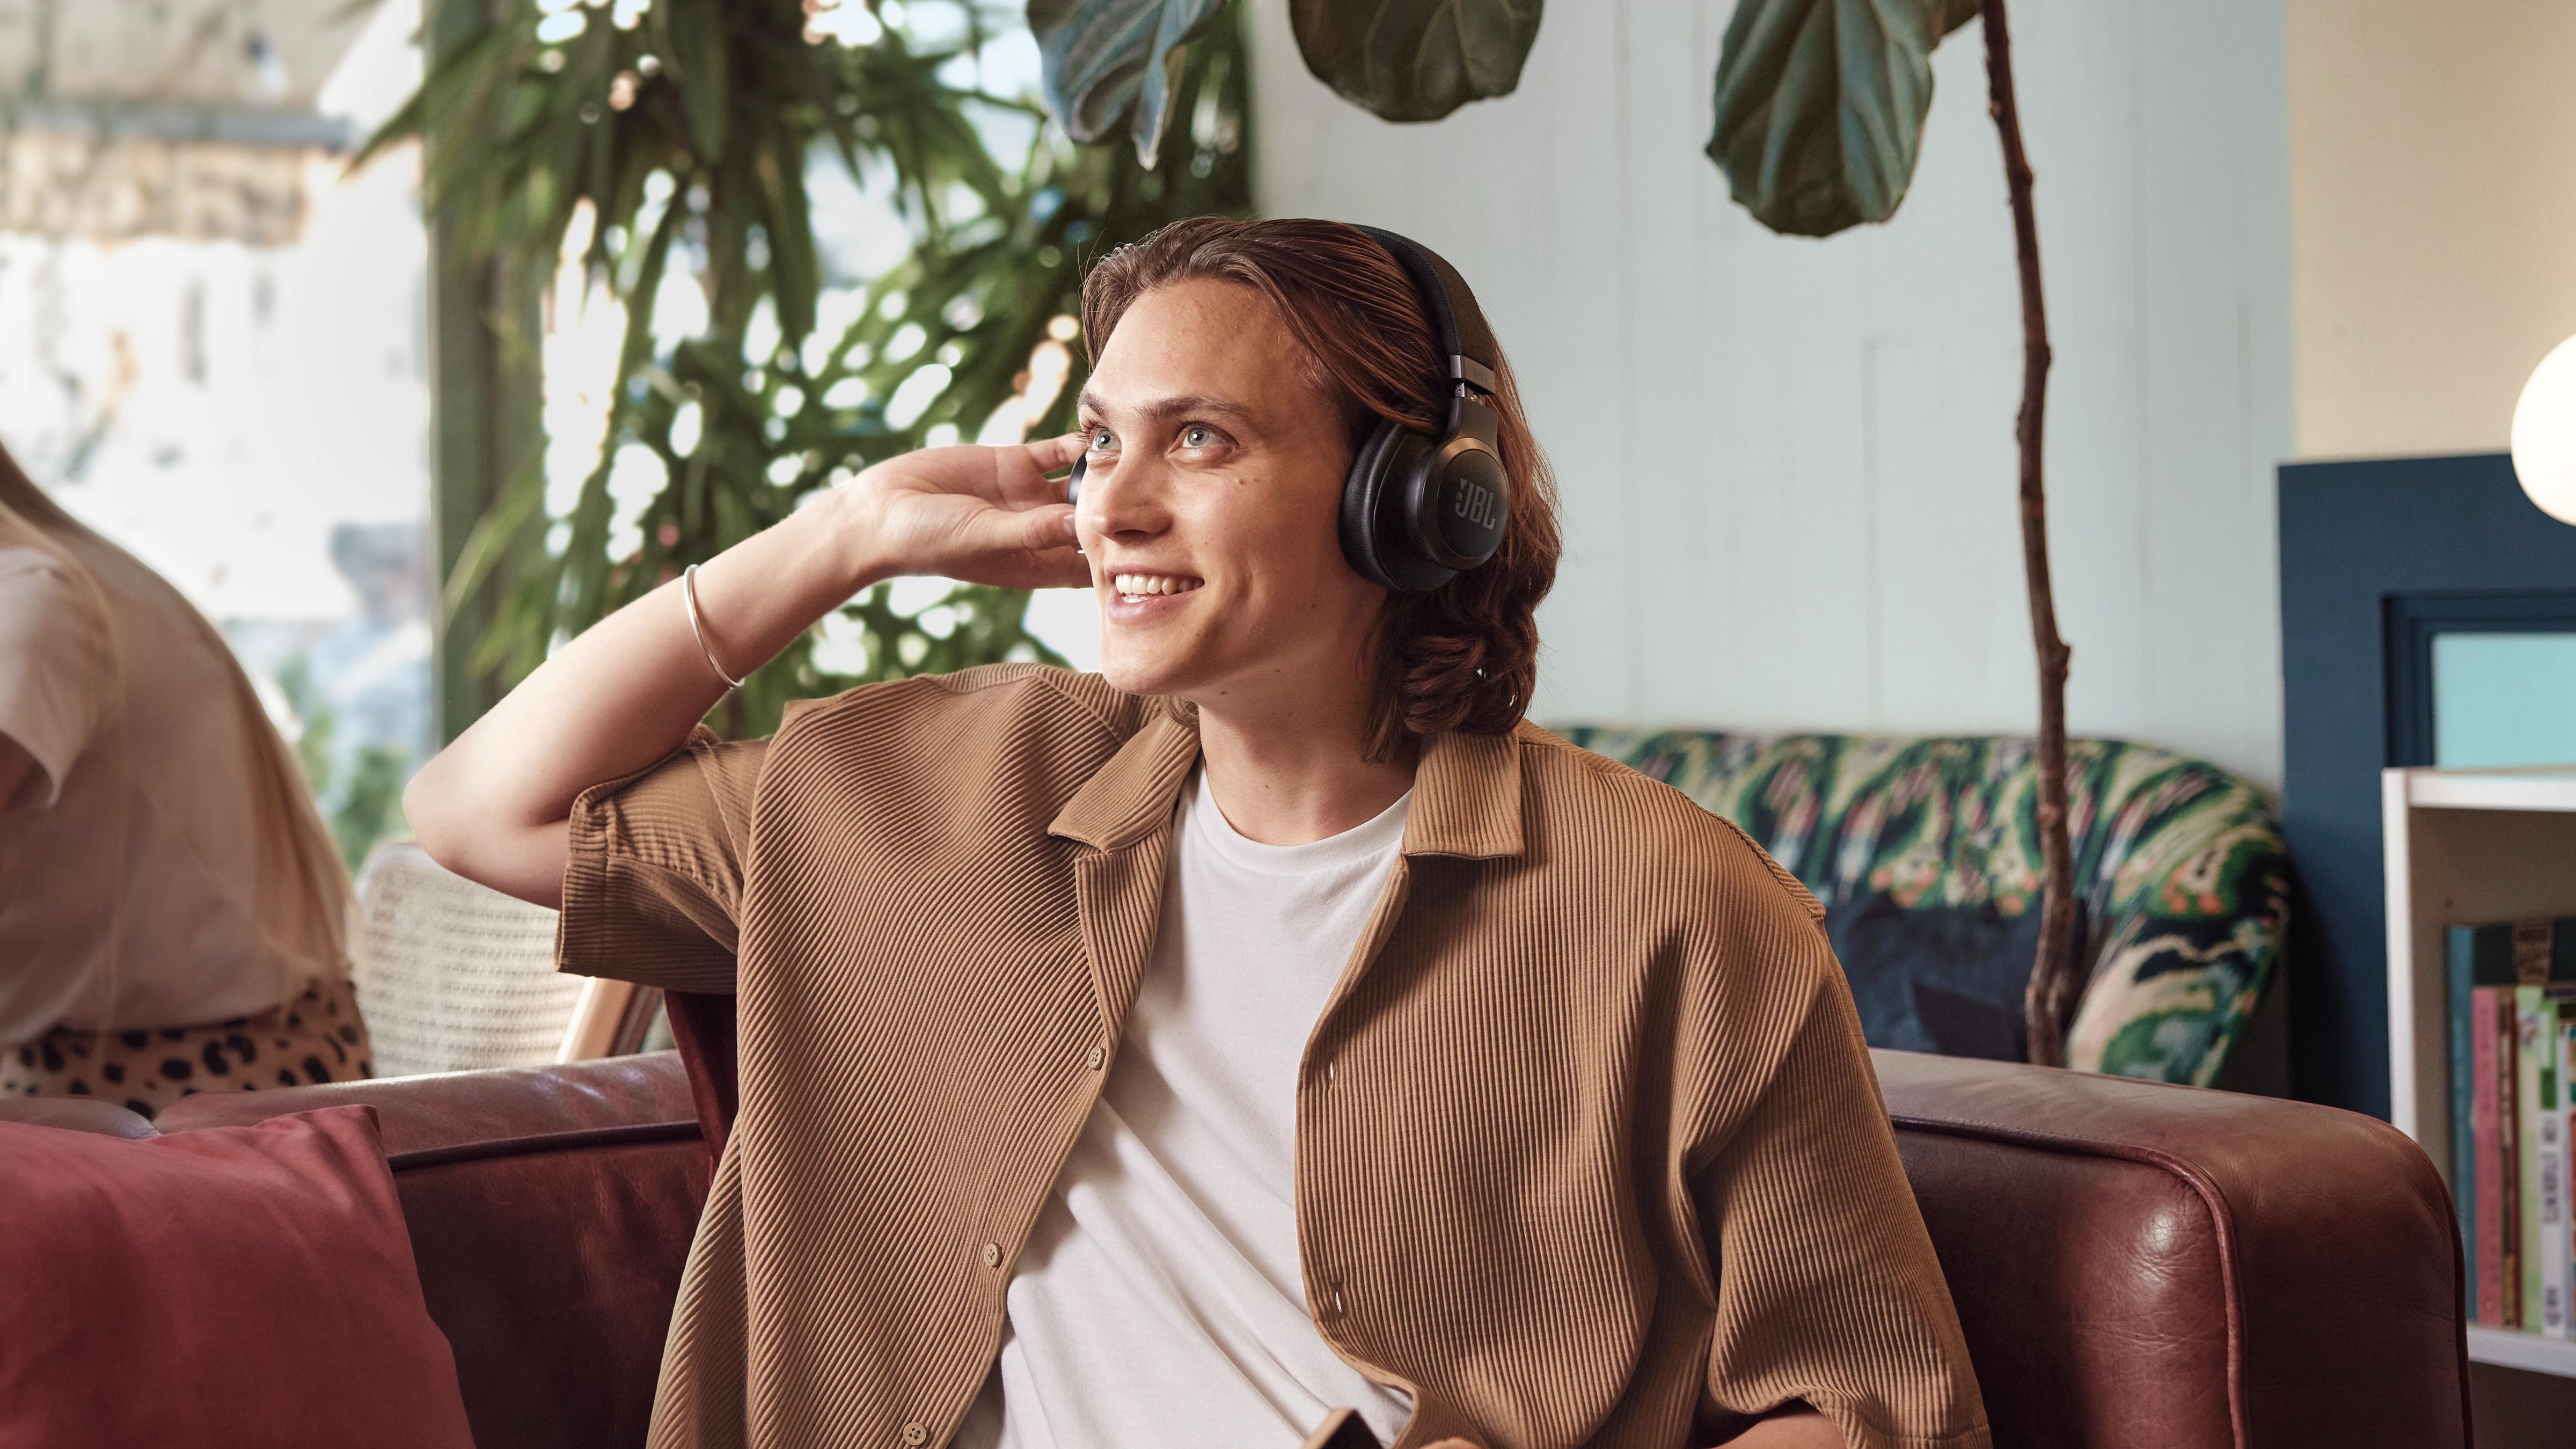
975 514
492 807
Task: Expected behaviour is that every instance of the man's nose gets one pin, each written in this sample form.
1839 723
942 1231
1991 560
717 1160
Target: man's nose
1126 500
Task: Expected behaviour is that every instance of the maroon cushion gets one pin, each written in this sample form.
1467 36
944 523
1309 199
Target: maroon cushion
235 1286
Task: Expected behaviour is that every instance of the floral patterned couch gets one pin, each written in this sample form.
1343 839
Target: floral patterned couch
2179 865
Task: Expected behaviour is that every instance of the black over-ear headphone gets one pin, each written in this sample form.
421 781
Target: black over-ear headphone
1419 510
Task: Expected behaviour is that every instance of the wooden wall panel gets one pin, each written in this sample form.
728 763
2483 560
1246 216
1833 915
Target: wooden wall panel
1788 464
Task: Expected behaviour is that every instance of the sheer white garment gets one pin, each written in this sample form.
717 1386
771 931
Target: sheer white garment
1159 1304
164 866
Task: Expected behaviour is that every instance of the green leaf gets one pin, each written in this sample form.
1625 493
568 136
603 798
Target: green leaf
796 272
1108 61
1820 106
1416 60
697 31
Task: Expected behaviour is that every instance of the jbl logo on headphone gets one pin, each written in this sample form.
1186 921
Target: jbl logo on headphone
1478 505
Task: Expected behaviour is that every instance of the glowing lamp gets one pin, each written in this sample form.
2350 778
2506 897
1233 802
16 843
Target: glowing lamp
2544 434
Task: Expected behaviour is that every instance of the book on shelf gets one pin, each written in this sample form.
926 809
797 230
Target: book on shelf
2512 999
2540 1140
2564 1051
2492 1280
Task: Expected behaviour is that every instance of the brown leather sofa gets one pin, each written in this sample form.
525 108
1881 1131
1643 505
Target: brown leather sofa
2139 1266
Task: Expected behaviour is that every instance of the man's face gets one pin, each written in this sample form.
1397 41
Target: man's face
1210 511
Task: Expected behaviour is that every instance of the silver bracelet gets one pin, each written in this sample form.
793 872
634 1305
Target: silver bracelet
689 597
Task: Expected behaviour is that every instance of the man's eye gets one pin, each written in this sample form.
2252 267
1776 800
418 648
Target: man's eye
1197 436
1101 442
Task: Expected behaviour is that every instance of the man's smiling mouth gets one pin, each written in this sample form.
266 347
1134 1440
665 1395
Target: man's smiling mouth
1138 586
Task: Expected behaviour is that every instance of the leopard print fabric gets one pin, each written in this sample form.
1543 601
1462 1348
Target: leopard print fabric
317 1037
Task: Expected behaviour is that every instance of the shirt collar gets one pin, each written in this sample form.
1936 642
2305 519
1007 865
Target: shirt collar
1466 792
1132 796
1467 797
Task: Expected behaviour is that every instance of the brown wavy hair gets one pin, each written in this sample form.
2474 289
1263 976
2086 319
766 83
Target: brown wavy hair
1465 655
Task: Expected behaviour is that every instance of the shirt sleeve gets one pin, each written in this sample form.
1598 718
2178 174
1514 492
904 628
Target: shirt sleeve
57 673
1827 1288
653 882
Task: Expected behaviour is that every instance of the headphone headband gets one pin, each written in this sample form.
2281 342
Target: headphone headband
1420 508
1458 325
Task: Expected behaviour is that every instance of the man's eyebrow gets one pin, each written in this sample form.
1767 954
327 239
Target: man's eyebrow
1164 409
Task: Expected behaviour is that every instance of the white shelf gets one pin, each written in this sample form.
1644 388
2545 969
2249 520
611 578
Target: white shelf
2465 846
2515 1349
2547 787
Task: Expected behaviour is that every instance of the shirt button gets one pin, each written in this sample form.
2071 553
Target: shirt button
1328 1069
992 1255
1098 1056
1337 1301
915 1435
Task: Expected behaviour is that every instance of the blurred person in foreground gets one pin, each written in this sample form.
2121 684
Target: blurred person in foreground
1272 1023
174 917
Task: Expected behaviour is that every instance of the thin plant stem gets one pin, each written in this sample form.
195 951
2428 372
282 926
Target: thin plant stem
2048 1003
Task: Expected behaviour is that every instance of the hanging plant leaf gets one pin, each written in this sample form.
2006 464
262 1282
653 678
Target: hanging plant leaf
1415 60
1820 106
1108 61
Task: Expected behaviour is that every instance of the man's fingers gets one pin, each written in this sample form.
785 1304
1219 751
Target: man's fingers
1049 535
1056 452
1047 526
1022 549
1028 481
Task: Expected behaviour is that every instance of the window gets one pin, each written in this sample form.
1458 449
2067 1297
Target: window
212 350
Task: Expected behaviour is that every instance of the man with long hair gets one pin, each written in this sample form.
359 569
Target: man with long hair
1270 1024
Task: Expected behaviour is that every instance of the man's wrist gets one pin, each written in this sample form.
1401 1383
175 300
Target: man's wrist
853 539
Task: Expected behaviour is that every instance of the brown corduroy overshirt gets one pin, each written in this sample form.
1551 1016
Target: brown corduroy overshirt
1589 1150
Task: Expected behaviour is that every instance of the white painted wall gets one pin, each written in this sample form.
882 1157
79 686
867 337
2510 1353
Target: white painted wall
1787 465
2433 216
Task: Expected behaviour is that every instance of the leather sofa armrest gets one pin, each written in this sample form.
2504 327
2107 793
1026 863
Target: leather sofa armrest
477 1110
77 1114
2137 1263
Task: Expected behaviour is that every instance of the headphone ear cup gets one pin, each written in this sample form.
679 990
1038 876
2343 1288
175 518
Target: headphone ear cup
1363 497
1073 481
1376 512
1456 506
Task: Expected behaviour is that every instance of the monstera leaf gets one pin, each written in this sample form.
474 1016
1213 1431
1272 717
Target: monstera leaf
1113 61
1416 60
1820 106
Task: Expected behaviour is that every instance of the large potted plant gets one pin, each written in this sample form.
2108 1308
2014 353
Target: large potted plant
676 138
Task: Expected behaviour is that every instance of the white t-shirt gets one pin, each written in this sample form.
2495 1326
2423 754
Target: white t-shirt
1159 1304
